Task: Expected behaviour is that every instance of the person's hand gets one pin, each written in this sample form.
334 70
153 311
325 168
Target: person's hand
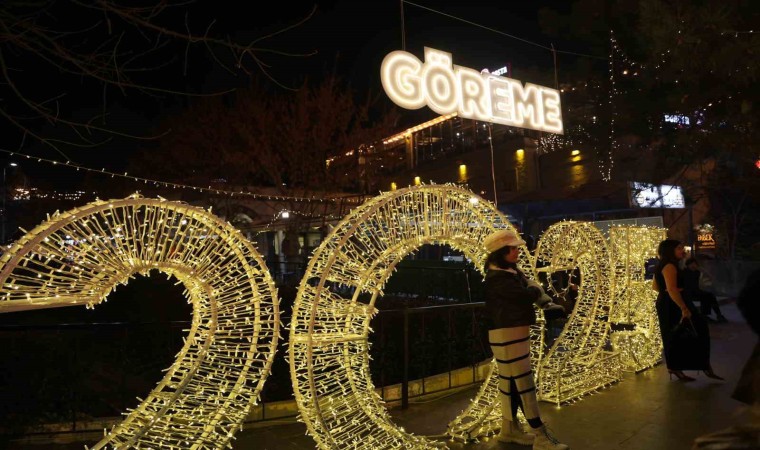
685 313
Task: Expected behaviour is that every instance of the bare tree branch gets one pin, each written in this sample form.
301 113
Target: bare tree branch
55 56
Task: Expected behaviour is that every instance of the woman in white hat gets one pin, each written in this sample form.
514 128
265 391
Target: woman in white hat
509 305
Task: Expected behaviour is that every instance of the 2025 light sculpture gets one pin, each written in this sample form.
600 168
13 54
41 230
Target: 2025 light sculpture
78 257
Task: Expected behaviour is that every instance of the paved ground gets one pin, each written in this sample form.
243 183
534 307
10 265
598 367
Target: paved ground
645 411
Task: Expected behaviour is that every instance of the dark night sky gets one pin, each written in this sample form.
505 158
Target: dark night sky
364 32
359 34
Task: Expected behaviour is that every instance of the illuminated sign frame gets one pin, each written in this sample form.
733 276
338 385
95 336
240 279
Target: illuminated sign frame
646 195
448 88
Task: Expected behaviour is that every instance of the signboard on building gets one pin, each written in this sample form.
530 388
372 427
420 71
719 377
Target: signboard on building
447 88
646 195
705 238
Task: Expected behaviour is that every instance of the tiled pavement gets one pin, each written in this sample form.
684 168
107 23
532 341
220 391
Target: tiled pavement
645 411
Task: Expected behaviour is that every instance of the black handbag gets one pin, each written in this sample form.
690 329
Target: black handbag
684 330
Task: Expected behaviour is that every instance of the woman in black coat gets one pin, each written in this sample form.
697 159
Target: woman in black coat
675 312
509 304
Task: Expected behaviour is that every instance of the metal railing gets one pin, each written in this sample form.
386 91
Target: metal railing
70 374
454 331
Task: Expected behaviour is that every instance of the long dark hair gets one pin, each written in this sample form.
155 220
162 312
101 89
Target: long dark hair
497 258
667 253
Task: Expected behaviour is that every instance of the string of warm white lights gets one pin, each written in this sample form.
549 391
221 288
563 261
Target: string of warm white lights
285 214
606 163
628 67
328 348
578 363
638 340
168 184
78 257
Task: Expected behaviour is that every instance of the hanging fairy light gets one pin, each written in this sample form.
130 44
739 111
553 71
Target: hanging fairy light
173 185
78 257
607 161
638 340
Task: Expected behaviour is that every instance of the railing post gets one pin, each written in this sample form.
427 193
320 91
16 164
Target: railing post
405 380
382 357
73 378
477 338
448 340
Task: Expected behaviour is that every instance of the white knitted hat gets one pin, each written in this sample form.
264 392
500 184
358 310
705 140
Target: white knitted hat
502 238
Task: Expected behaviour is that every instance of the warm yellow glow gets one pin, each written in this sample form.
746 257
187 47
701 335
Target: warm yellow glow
578 363
520 155
448 89
218 375
408 132
639 341
393 186
462 173
329 329
575 152
417 181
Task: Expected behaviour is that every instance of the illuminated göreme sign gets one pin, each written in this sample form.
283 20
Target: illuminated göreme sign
447 89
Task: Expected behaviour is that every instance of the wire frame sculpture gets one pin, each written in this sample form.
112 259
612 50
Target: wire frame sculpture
636 332
78 257
328 344
578 362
